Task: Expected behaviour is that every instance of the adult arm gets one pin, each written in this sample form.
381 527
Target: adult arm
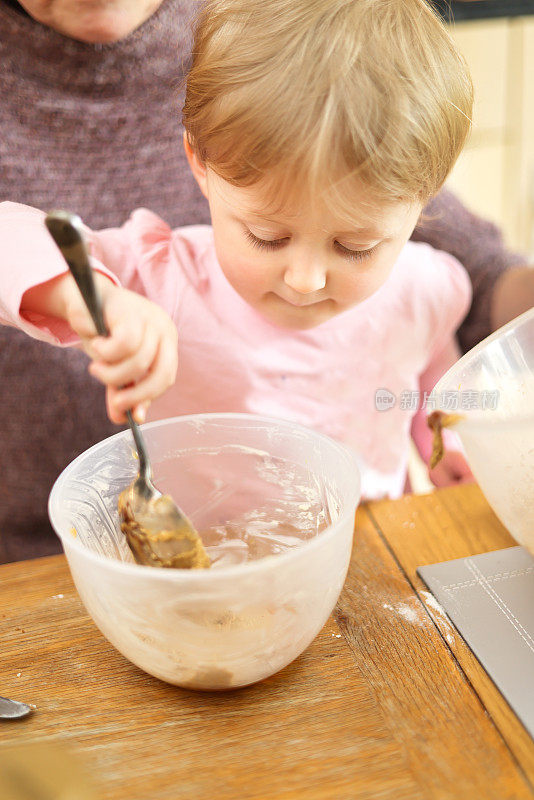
513 294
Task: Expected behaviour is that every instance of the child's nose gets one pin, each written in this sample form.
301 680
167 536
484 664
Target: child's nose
305 279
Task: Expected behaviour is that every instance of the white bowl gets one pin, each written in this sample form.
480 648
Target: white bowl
499 439
230 625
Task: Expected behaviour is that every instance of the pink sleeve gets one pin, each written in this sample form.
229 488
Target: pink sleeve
421 433
143 255
146 255
29 257
478 244
449 303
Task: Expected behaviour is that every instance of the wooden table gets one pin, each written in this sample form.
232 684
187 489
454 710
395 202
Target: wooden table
388 702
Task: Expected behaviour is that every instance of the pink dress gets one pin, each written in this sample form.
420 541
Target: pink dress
355 377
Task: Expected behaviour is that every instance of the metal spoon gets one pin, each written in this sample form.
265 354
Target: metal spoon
158 532
12 709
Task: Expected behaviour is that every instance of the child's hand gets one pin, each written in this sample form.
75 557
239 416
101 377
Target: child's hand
451 470
138 360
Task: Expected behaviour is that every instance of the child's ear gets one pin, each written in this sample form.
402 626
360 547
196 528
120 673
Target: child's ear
198 168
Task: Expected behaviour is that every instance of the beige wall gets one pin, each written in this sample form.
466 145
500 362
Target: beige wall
495 174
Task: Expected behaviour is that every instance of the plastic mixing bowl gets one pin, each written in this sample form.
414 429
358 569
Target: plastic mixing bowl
492 386
275 504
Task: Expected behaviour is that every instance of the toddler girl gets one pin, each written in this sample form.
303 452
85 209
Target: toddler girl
317 129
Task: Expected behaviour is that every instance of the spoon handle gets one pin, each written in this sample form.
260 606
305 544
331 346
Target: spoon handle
66 230
145 470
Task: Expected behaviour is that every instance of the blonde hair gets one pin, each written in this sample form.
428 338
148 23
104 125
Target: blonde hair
322 91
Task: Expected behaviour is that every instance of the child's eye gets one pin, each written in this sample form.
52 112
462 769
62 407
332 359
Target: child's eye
265 244
354 255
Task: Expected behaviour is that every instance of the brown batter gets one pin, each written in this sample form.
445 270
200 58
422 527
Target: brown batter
166 546
436 422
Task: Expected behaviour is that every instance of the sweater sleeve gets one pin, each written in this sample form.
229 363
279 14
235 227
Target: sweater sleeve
448 225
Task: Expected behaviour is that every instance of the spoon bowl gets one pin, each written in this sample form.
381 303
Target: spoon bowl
13 709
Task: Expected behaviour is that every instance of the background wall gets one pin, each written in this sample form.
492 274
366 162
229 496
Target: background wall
495 174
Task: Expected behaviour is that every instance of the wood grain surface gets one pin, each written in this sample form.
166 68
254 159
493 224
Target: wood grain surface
377 707
450 524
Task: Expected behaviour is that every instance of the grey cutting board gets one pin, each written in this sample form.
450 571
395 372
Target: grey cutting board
490 600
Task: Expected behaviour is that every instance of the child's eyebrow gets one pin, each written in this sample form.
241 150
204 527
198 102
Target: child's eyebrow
372 233
265 217
369 232
365 232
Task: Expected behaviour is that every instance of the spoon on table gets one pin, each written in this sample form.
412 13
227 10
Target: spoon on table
12 709
158 532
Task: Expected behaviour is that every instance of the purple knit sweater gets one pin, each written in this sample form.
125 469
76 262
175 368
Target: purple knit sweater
96 129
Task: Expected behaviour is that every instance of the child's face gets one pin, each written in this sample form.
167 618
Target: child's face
299 268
